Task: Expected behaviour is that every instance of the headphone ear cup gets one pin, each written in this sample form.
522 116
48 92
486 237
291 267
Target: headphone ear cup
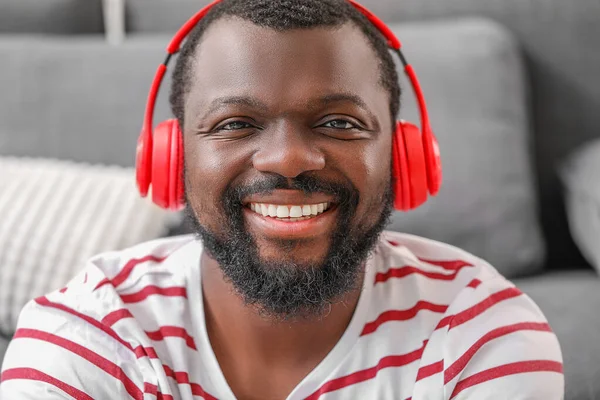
417 166
434 162
400 171
161 164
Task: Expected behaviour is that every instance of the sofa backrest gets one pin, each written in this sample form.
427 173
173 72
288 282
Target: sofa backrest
560 43
51 16
78 99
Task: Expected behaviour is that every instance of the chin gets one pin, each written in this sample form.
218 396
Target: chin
293 252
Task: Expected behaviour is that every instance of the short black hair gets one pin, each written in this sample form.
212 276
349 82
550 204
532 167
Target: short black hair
283 15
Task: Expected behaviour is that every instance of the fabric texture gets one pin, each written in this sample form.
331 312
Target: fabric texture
559 40
77 99
57 214
571 300
51 16
581 177
487 203
467 333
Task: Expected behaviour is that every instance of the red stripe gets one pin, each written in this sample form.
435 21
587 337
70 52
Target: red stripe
408 270
447 264
103 282
127 270
474 283
402 315
63 290
464 316
505 370
153 389
35 375
115 316
138 351
43 301
460 364
85 278
172 331
369 373
184 378
131 264
151 290
429 370
94 358
142 351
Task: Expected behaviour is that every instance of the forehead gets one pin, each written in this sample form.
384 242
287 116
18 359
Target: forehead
282 68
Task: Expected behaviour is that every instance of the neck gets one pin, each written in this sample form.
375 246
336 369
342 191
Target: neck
240 334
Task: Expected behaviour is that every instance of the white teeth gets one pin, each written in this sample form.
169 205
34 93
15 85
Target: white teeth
278 211
272 210
295 212
283 212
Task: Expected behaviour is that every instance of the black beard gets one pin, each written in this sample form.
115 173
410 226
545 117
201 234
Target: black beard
285 289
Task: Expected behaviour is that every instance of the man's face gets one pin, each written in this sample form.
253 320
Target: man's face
295 119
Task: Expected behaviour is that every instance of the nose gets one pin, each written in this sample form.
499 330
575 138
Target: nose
289 152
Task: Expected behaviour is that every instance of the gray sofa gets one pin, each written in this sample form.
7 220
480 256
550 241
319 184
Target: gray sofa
69 95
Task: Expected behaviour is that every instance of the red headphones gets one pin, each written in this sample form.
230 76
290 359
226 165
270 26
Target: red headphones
415 154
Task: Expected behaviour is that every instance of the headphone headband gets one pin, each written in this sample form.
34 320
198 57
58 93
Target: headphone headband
185 30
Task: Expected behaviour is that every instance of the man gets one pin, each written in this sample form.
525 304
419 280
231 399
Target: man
291 290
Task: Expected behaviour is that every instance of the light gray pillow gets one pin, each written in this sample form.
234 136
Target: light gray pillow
55 215
472 76
581 178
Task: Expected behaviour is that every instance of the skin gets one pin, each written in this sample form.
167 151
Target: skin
279 92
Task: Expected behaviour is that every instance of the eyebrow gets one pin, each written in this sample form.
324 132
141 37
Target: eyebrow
222 102
349 98
342 97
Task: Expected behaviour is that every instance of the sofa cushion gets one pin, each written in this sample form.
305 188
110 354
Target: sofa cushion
80 99
570 301
581 177
473 79
57 214
51 16
160 15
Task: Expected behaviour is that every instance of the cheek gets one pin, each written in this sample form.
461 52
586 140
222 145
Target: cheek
375 167
208 171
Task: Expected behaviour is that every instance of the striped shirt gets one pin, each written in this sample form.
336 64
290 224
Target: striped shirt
432 322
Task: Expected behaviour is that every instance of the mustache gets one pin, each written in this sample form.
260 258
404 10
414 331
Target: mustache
344 193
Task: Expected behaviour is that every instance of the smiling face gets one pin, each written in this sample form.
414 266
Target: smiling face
287 140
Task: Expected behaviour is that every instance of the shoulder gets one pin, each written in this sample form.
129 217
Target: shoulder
496 339
421 250
75 325
488 336
410 268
